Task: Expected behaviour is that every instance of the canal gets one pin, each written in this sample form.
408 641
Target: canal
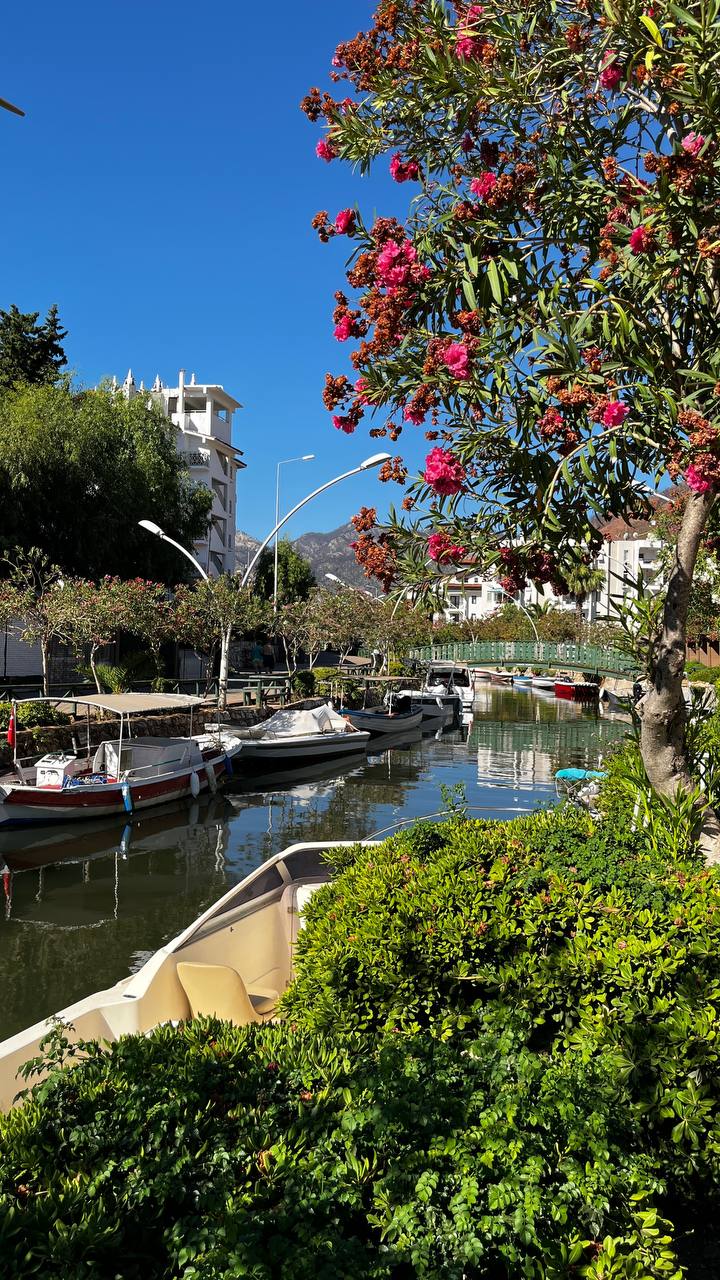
83 907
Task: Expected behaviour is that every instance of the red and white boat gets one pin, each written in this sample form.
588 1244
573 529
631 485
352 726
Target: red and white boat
577 690
116 776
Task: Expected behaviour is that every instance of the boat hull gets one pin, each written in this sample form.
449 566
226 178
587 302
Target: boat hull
261 754
379 724
27 806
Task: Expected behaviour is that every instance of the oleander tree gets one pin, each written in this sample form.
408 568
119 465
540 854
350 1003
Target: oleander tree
92 614
548 311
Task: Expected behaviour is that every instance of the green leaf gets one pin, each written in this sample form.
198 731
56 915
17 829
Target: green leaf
653 28
493 276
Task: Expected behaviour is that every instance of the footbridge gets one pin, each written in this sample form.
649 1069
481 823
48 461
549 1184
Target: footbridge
533 653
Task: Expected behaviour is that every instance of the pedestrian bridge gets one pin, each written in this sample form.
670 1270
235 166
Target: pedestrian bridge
533 653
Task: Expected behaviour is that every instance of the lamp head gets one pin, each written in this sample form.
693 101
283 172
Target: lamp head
374 461
151 527
307 457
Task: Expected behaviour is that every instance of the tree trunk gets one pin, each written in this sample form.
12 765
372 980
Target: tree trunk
45 653
579 619
662 709
224 668
93 668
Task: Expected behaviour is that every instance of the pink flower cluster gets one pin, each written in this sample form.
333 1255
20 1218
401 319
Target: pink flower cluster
615 414
441 548
345 222
467 45
343 422
404 170
696 481
483 185
397 265
642 239
457 358
612 72
325 150
444 473
693 143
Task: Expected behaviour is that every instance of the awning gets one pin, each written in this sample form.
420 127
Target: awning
130 703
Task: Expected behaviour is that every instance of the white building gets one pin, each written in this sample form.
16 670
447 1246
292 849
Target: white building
628 549
203 416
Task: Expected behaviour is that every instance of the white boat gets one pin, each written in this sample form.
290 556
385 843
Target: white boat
450 678
383 720
443 708
543 682
297 737
119 775
233 962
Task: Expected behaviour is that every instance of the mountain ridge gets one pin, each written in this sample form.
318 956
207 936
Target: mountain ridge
327 553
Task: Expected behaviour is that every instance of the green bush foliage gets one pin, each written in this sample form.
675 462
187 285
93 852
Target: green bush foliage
499 1058
31 715
303 683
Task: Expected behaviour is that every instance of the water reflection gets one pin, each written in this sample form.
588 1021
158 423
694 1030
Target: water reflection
85 905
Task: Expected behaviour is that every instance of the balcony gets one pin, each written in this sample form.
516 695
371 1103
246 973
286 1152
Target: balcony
196 458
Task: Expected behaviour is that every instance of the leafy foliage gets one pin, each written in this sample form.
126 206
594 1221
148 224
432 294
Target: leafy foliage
295 576
30 352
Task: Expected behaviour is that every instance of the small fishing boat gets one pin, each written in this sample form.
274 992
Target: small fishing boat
577 690
522 679
384 720
501 677
450 678
543 682
564 687
297 737
118 775
479 674
233 962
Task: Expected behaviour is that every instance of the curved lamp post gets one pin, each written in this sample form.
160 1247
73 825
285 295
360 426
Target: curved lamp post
348 586
159 533
9 106
375 461
306 457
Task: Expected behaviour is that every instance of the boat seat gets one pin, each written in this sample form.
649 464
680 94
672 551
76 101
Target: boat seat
217 990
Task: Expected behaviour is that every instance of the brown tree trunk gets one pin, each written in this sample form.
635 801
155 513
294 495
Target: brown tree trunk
662 709
93 668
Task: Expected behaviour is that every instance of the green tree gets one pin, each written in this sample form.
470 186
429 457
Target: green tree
295 576
32 600
582 579
31 350
77 472
208 612
552 300
93 614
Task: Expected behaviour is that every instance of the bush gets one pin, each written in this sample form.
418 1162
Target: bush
303 683
31 715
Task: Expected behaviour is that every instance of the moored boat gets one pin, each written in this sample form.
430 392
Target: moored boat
450 678
118 775
543 682
383 720
297 737
233 962
501 677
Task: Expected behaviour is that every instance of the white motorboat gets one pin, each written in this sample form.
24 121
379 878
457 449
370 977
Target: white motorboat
116 776
450 678
233 962
543 682
384 720
442 708
296 737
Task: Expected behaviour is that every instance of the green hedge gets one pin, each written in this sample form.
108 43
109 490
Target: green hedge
499 1059
31 715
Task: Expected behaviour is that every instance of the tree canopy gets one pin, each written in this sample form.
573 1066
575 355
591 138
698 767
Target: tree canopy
77 472
295 576
549 310
31 350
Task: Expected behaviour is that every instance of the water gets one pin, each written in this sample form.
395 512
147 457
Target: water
84 906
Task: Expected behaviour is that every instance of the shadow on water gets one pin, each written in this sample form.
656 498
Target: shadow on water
82 906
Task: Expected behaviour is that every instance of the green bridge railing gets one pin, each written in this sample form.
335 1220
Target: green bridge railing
530 653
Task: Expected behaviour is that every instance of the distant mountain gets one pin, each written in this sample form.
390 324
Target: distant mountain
327 553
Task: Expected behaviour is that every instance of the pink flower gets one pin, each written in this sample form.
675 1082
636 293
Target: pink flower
343 423
394 263
414 415
612 72
325 150
456 357
440 548
483 185
404 170
693 143
360 389
615 414
642 239
345 222
444 473
696 481
344 329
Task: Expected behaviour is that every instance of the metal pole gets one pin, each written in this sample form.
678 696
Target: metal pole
277 518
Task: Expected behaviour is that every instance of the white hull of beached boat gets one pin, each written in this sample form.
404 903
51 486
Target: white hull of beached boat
233 962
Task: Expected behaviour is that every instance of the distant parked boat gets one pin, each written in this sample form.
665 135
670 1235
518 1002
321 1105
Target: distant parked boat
501 677
543 682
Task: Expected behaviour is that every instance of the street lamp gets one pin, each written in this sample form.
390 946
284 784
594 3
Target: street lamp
375 461
10 107
306 457
348 586
497 587
159 533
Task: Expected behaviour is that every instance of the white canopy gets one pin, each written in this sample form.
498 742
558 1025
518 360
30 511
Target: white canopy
123 704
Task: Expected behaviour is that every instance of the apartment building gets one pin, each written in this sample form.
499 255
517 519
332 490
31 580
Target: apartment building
203 416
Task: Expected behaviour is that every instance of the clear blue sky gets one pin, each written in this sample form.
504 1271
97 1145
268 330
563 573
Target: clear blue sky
160 191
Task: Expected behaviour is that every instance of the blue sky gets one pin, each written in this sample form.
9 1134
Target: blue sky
160 191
